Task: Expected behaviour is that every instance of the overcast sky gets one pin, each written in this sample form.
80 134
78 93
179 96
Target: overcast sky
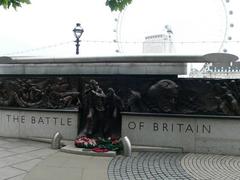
44 28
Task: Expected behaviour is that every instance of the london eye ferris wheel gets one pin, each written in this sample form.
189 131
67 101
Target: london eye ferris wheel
199 26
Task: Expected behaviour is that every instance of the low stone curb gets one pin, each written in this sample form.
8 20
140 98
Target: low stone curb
156 149
82 151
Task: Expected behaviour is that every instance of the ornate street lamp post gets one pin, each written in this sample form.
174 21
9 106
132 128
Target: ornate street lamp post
78 30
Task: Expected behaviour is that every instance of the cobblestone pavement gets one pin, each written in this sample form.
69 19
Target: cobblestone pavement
173 166
18 157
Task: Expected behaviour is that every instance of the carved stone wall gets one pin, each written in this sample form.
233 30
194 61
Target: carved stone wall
45 92
101 99
157 94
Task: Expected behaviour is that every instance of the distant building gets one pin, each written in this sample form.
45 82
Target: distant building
160 43
221 70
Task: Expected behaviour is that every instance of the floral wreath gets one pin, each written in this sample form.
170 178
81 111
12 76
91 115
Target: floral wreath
98 144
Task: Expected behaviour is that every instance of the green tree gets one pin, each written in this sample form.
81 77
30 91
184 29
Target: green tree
13 3
115 5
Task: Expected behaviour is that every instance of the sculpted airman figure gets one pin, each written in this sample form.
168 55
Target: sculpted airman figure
113 106
94 105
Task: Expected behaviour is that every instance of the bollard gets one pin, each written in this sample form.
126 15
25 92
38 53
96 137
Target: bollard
56 141
126 144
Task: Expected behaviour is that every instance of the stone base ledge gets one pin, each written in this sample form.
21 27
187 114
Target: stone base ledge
156 149
82 151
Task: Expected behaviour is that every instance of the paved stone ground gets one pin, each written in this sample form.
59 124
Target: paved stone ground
18 157
173 166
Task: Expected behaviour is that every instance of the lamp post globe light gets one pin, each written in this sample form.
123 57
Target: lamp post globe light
78 31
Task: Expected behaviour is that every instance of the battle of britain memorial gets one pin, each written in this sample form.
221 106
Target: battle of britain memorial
96 101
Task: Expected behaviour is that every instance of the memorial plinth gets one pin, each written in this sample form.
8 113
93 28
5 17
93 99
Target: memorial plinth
161 108
38 123
199 134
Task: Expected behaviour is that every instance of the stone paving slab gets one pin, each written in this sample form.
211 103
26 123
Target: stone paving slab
5 153
8 172
19 177
28 165
19 156
65 166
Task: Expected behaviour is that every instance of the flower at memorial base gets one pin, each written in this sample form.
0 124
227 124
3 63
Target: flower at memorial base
98 150
115 141
108 144
85 142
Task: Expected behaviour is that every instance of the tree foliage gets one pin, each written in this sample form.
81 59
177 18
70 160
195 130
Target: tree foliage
115 5
13 3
